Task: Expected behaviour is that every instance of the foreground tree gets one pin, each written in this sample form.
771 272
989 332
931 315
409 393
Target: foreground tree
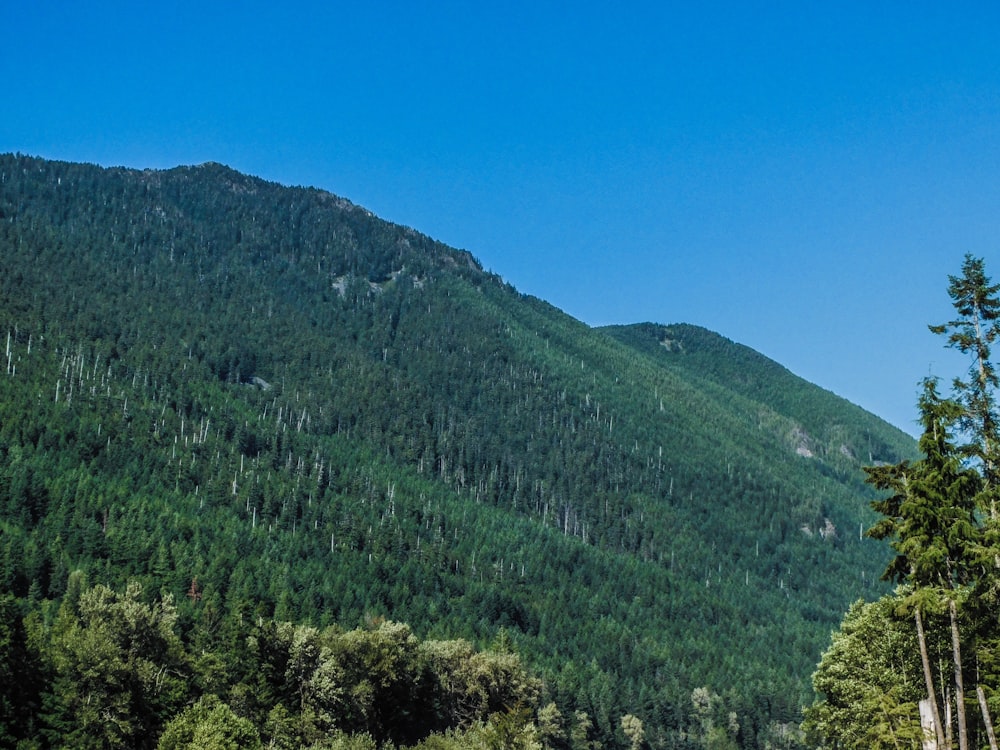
932 521
871 681
974 332
209 725
119 670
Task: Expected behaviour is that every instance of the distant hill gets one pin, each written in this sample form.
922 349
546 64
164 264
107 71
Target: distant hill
325 417
825 423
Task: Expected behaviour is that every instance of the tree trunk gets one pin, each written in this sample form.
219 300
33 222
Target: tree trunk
963 732
929 679
927 725
948 723
986 717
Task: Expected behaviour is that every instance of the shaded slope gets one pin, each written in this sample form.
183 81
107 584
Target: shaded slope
325 416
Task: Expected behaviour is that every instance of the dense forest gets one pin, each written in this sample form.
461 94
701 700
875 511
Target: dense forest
272 468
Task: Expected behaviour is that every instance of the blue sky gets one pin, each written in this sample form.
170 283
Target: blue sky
800 177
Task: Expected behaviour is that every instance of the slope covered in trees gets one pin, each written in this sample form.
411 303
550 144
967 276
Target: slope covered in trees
827 425
271 405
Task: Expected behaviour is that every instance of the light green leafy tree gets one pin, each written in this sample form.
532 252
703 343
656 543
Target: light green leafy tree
511 730
632 727
473 685
119 669
716 729
380 671
338 740
870 682
581 731
550 727
209 725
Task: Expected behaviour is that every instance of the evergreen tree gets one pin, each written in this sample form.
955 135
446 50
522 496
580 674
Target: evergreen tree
20 676
973 333
931 519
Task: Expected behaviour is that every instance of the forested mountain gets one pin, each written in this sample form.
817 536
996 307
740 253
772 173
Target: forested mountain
272 406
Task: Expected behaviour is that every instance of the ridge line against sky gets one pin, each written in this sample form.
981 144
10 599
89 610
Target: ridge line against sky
798 177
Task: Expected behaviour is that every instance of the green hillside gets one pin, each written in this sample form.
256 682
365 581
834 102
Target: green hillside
826 424
324 418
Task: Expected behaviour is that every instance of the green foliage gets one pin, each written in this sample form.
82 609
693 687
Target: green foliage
714 728
209 725
118 669
20 676
511 731
931 514
470 683
632 727
974 332
117 678
811 420
870 682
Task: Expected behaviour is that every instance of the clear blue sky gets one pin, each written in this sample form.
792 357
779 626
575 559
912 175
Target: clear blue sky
798 176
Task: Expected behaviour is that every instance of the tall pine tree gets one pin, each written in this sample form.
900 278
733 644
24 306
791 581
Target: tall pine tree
973 332
931 518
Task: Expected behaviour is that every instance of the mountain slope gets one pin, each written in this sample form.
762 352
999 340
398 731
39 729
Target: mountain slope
826 423
326 417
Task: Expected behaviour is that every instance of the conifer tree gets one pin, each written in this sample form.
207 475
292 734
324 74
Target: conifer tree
973 332
931 519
